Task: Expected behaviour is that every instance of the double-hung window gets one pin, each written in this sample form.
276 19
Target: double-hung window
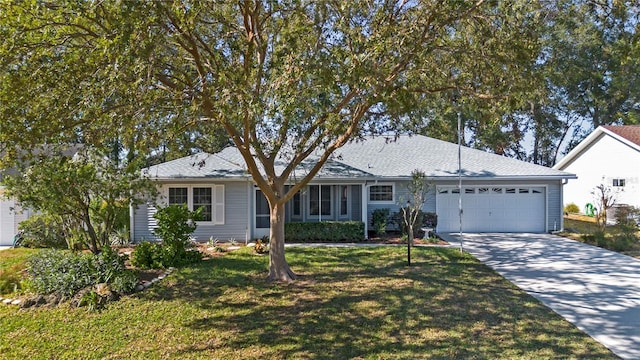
618 182
208 198
381 193
320 200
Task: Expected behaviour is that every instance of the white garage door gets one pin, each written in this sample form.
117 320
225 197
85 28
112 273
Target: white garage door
492 209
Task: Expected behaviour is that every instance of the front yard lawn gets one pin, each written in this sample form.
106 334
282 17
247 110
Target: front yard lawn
349 303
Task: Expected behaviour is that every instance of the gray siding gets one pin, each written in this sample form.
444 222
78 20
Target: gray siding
235 217
144 222
554 206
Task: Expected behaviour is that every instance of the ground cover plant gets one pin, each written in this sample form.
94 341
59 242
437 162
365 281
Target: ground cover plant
620 237
361 303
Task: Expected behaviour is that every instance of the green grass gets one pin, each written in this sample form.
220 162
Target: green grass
12 266
349 303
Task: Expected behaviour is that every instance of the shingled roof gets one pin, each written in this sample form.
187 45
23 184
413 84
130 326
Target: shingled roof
629 132
374 158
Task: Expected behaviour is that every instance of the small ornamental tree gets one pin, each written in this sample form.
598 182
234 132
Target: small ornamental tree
417 191
605 199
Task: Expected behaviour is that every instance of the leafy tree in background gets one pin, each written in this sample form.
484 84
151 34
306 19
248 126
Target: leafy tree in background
590 63
289 82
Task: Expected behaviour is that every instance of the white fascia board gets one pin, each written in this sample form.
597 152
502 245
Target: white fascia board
588 141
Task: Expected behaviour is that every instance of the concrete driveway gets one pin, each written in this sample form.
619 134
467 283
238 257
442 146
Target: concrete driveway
595 289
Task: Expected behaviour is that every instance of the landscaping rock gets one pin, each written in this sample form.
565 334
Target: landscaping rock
33 301
7 301
16 302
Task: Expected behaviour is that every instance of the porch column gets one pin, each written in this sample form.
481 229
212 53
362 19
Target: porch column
364 210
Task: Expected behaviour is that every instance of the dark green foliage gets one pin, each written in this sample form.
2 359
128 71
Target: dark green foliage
43 231
329 231
175 226
430 220
125 281
147 255
379 220
150 255
64 273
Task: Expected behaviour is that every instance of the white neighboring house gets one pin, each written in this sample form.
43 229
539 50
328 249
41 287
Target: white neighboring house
610 155
10 216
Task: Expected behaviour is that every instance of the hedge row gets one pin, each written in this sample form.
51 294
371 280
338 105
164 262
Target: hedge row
326 231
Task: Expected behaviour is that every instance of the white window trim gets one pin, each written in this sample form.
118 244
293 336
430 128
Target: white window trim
393 194
217 200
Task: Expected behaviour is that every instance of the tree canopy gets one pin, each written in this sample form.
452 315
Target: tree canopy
285 81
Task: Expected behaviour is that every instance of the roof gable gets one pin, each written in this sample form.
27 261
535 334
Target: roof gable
626 134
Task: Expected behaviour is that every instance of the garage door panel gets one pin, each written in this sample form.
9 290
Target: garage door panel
492 209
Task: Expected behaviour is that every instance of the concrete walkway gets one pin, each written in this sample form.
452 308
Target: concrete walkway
595 289
2 247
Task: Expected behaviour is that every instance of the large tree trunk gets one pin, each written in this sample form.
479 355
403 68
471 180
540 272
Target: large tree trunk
278 268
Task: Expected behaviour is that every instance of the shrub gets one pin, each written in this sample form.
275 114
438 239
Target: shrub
147 255
379 221
331 231
42 231
175 224
571 208
59 272
64 273
430 220
125 282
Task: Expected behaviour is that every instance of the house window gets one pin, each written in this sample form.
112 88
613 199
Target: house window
178 196
320 200
618 182
297 209
210 199
381 193
344 200
202 199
